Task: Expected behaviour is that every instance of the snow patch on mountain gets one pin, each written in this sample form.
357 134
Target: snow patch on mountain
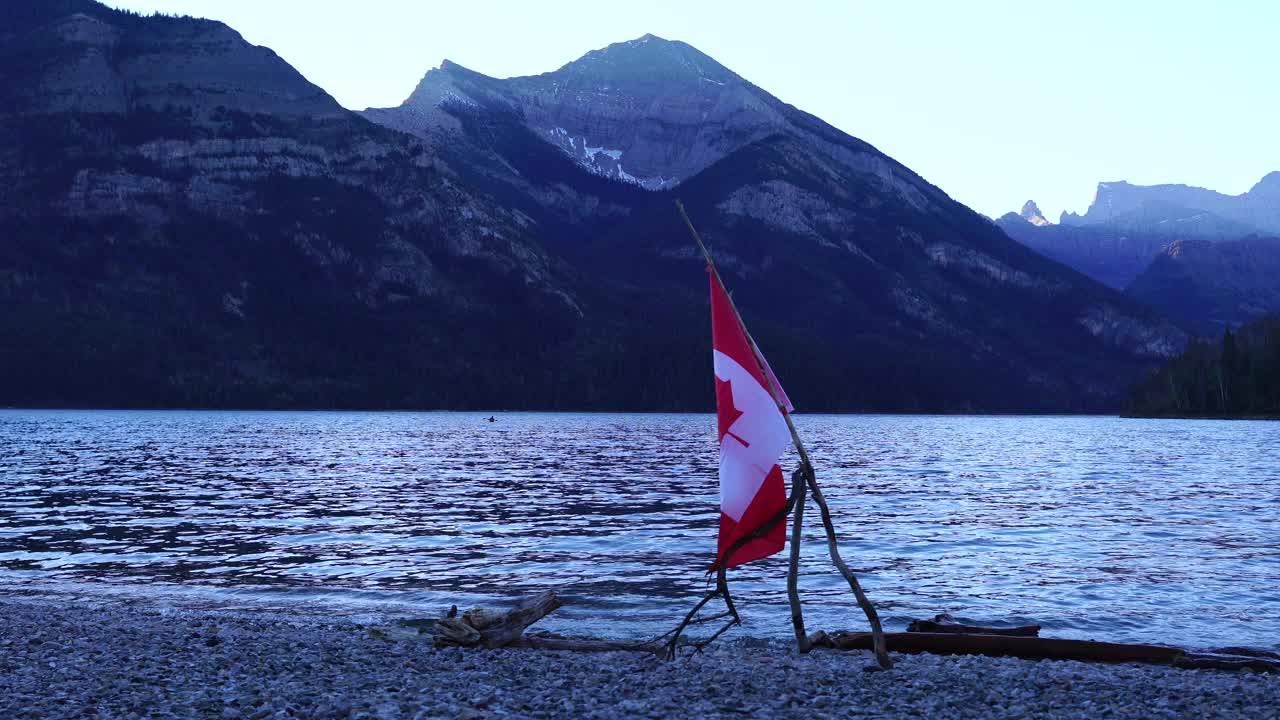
601 160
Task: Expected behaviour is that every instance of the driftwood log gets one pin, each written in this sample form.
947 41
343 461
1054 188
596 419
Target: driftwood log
1217 661
946 624
1003 645
487 628
481 627
949 643
1246 652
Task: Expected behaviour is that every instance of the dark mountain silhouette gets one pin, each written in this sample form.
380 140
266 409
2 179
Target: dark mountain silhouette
188 221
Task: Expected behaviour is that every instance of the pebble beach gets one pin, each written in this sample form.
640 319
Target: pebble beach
65 659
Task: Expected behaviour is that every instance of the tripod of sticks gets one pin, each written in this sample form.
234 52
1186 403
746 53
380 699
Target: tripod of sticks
803 481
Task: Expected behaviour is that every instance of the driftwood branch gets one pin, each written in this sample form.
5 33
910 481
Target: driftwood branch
722 582
946 624
491 628
877 632
1247 652
1003 645
1215 661
1044 648
487 628
673 644
698 645
798 487
713 618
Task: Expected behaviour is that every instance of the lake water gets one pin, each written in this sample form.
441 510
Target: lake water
1129 530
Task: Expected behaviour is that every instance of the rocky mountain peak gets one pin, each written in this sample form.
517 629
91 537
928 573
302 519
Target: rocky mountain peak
80 56
1105 195
20 15
1031 213
1268 186
647 60
453 85
1193 211
650 112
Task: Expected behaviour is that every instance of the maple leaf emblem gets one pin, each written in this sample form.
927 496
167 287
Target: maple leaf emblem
727 413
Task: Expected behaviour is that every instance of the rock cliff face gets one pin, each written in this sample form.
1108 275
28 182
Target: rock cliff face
92 61
1031 213
188 216
1121 203
1212 287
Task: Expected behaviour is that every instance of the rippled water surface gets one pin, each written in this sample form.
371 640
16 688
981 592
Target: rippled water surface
1093 527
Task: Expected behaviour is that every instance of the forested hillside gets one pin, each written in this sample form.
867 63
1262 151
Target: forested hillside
1238 376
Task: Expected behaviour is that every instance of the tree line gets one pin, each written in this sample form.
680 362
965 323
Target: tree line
1236 376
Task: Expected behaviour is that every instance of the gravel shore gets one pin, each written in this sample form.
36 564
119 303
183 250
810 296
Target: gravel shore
124 661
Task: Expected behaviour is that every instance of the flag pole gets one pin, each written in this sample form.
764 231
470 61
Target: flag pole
811 480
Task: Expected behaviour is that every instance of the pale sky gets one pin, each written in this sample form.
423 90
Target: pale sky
994 101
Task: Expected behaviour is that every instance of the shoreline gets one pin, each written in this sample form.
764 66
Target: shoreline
62 659
496 411
1140 416
1119 414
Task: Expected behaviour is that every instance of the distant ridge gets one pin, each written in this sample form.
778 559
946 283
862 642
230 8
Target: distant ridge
1257 210
1127 225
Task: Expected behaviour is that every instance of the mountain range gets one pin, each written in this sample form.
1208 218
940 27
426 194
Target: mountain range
1181 250
186 221
1210 214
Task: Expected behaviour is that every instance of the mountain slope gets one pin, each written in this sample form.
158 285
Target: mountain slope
885 308
1111 256
187 220
1212 287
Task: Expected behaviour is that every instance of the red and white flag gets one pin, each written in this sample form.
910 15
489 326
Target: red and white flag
753 436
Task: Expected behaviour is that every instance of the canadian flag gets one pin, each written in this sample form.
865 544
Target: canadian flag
753 436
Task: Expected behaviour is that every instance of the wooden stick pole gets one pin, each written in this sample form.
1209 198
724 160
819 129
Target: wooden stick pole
773 391
798 483
882 656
